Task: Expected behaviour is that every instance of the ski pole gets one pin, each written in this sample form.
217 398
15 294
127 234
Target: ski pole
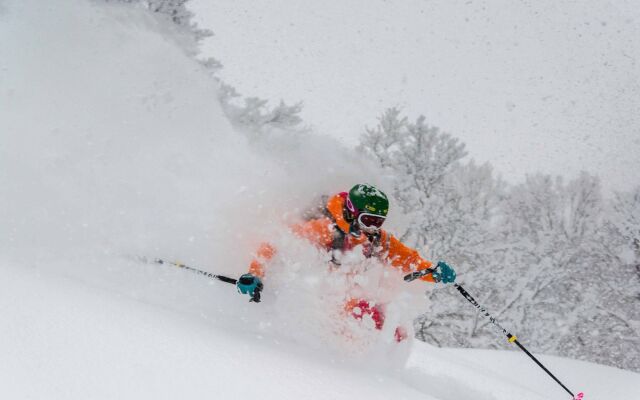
415 275
513 338
197 271
510 337
256 294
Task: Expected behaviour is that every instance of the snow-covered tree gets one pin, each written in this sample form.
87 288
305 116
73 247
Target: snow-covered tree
624 225
611 331
176 13
419 157
254 115
554 228
540 255
452 208
467 237
174 10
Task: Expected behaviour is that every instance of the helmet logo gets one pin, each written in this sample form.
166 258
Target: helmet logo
370 208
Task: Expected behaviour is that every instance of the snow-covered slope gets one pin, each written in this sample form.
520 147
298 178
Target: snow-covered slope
62 339
112 144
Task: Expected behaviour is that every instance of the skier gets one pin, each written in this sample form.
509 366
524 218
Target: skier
352 219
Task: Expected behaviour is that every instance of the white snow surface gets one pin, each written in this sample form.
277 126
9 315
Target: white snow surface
65 339
113 146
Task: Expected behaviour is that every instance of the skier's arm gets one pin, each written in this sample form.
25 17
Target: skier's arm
407 259
263 255
251 282
317 231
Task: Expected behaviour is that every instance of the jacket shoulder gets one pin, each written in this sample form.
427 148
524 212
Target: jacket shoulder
317 230
335 207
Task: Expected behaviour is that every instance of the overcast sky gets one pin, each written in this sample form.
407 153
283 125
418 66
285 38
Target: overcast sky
529 86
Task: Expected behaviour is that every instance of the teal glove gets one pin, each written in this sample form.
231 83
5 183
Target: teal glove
444 273
251 285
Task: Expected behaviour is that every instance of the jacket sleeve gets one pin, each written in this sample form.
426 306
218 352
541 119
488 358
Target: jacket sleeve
317 231
265 253
407 259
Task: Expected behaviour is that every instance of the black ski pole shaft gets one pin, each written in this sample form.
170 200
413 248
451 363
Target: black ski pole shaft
510 337
418 274
197 271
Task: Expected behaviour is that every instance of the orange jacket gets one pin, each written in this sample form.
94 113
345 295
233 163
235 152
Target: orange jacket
333 233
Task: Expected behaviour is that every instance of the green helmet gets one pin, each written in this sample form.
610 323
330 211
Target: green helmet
365 198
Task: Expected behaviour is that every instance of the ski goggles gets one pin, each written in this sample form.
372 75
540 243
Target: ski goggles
371 221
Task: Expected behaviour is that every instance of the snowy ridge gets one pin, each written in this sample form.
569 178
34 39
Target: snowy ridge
113 144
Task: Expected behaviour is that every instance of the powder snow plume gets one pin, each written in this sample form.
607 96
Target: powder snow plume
114 145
